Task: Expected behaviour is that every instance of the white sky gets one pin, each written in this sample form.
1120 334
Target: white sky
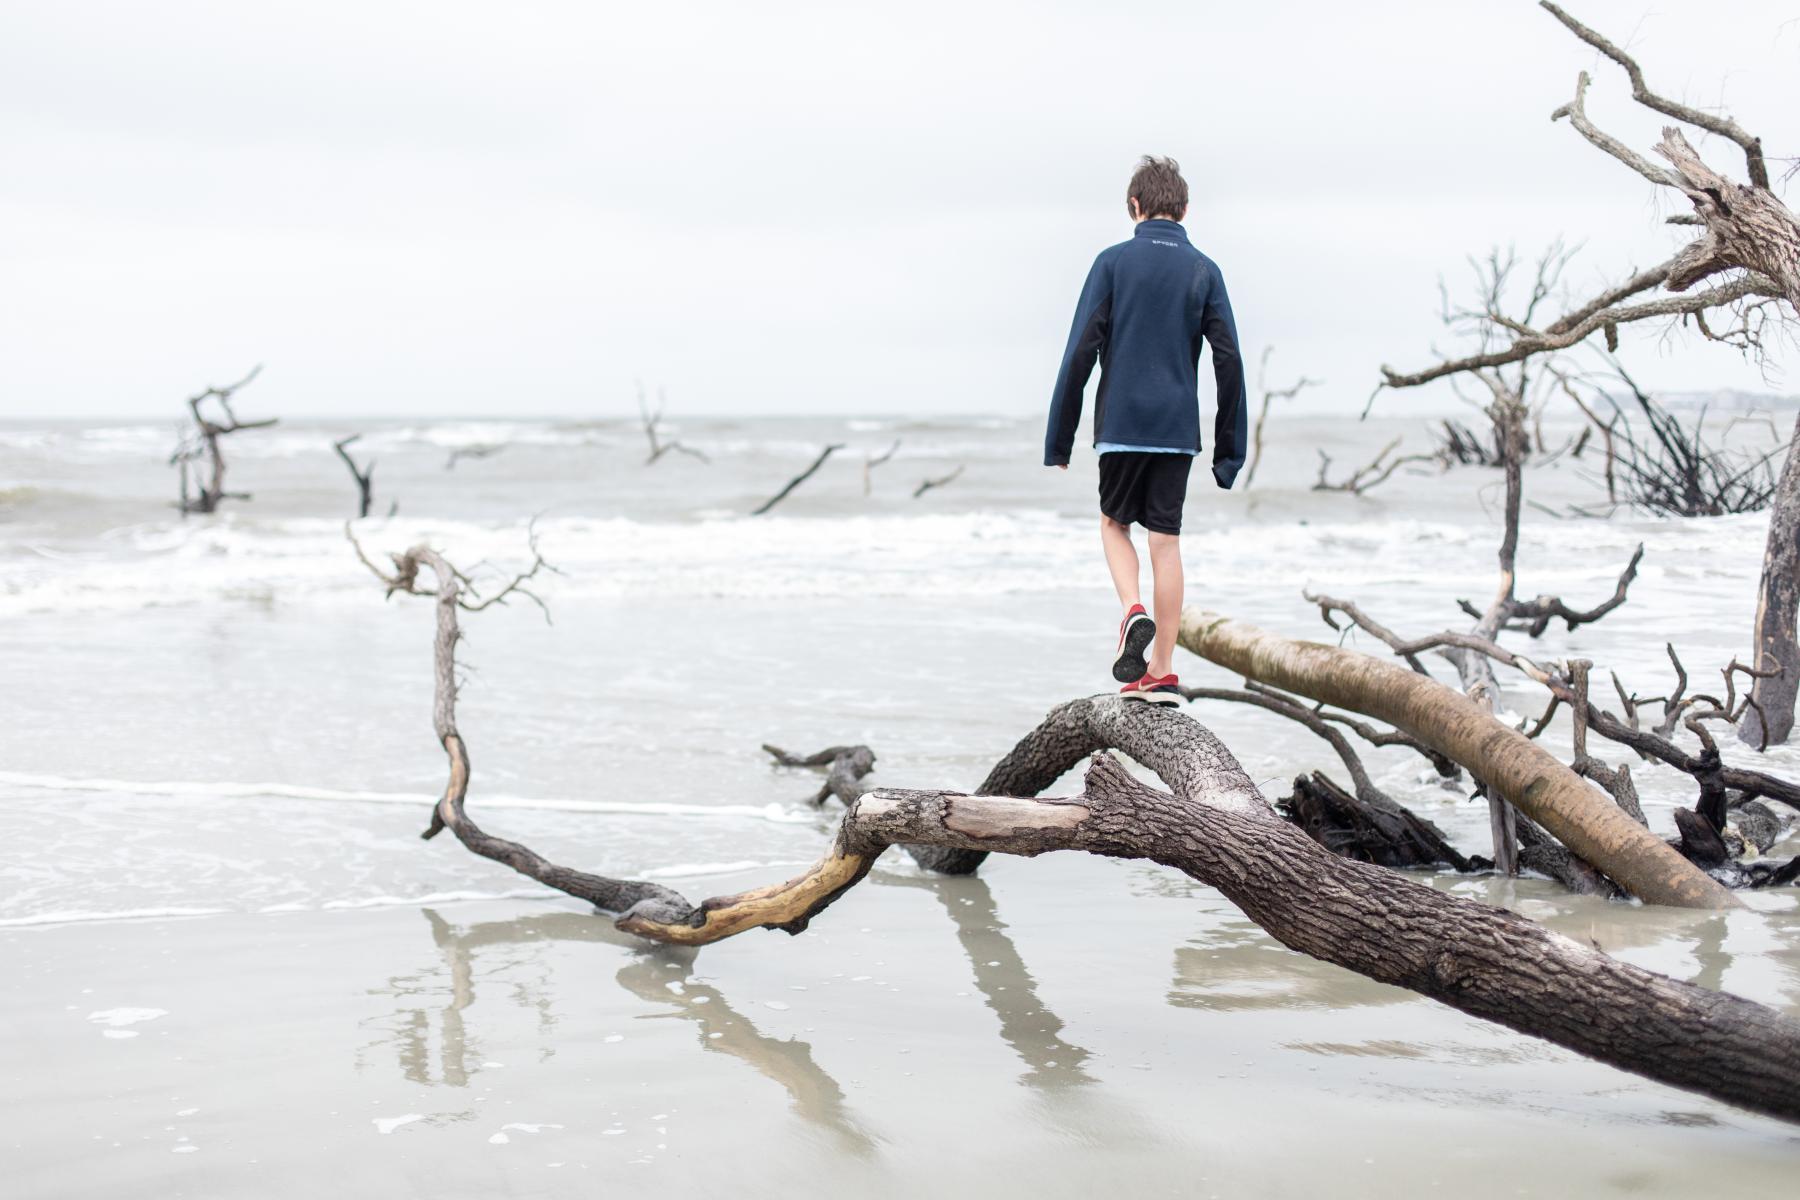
766 208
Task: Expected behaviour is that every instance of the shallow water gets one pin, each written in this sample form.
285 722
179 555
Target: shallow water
217 758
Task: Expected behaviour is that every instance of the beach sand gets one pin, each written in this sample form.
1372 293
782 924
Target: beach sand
993 1035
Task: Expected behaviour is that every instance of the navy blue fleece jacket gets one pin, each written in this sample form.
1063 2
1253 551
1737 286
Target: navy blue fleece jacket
1146 306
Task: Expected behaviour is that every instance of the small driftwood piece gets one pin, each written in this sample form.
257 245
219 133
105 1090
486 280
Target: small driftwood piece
481 450
844 766
925 485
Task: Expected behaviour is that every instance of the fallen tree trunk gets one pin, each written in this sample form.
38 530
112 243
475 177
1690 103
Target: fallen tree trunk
1508 762
1216 827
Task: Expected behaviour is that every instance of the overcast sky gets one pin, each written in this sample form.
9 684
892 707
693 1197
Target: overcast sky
765 208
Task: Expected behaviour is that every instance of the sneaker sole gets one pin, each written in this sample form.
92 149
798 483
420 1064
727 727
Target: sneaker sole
1130 665
1164 699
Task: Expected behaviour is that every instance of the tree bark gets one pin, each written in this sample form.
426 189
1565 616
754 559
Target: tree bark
1508 762
1769 720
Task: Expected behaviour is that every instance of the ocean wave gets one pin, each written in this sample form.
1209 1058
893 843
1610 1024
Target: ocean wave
83 916
286 791
307 561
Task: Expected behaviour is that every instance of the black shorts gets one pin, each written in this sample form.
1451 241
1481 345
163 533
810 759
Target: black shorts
1144 488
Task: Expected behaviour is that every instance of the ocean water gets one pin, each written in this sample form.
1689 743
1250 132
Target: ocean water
216 728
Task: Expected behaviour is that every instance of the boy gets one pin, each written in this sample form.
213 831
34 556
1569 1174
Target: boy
1146 305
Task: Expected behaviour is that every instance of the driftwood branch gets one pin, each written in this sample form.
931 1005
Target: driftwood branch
797 480
1375 473
925 485
362 475
871 461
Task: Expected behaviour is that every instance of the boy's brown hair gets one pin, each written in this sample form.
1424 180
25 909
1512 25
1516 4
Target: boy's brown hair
1158 188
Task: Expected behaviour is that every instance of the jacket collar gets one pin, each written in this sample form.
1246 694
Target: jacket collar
1157 227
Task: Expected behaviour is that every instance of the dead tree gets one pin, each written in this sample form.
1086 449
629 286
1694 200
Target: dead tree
199 453
1771 717
1674 470
925 485
1269 395
652 429
1375 473
1743 264
797 480
362 475
1214 826
871 461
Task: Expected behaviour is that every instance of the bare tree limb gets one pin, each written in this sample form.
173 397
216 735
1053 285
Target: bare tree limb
362 475
871 461
797 480
925 485
1269 395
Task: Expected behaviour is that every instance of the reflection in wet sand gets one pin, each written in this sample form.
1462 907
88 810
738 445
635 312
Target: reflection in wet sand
409 1029
663 976
1239 967
1032 1030
660 977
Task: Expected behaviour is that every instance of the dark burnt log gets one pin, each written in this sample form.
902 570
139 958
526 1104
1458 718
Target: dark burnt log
1356 828
1700 842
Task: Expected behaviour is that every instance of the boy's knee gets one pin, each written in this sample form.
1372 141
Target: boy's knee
1164 540
1107 522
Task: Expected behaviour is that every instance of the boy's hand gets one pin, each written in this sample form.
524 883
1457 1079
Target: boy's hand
1062 466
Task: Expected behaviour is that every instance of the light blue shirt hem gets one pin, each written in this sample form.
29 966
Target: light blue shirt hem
1112 447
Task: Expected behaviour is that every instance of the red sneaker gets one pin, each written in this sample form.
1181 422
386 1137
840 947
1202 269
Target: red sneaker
1151 690
1136 632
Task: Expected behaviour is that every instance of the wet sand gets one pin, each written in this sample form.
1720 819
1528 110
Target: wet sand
997 1036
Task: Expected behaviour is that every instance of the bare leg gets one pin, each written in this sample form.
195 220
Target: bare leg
1121 559
1165 571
